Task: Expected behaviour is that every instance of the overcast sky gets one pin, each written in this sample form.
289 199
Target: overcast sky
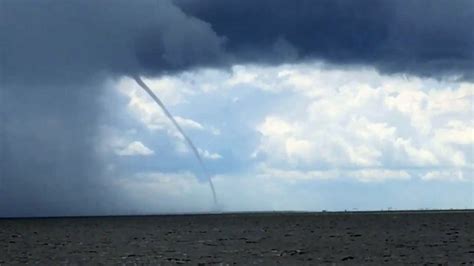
293 105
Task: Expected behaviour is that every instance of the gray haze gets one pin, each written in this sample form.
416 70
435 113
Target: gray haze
55 58
56 55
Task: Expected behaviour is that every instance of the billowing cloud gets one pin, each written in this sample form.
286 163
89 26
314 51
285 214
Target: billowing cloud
426 37
386 121
341 123
135 148
55 42
453 175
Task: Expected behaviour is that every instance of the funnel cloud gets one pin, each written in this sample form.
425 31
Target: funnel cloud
181 131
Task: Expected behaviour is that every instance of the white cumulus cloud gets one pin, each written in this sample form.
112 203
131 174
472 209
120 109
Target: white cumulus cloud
323 118
135 148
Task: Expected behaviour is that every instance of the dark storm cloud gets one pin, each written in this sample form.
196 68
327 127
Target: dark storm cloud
72 41
425 37
55 56
53 40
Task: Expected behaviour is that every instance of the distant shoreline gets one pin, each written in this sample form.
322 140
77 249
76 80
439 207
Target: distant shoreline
250 213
